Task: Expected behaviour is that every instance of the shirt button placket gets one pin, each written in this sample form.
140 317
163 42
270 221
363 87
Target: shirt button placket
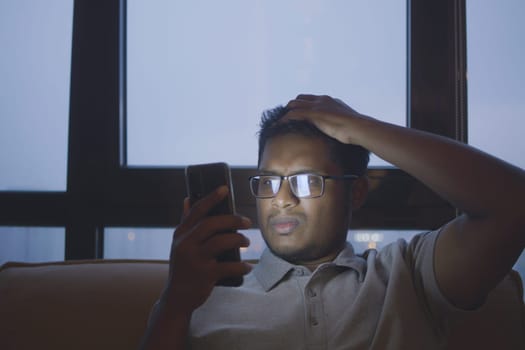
314 306
316 332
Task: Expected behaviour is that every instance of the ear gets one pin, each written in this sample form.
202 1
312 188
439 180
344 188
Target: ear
359 192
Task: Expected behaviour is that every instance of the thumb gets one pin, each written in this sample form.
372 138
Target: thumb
186 206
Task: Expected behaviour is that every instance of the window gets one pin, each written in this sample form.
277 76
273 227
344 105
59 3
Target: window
105 192
32 244
137 243
199 74
496 94
35 39
148 243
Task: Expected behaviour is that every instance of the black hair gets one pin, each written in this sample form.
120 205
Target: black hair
353 159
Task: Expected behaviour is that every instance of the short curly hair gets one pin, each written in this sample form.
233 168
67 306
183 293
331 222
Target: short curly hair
352 159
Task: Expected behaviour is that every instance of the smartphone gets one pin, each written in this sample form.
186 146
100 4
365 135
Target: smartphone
202 179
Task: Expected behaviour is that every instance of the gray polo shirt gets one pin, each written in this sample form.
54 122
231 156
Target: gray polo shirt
384 300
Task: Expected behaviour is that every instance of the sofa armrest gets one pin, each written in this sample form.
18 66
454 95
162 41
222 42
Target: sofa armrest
87 304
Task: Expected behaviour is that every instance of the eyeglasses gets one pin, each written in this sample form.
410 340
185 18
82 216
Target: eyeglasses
302 185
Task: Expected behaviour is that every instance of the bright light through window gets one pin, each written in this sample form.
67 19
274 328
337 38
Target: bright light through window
496 92
31 244
200 73
35 62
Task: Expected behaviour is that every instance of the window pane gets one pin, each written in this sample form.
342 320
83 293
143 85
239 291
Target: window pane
496 92
35 41
377 239
155 243
361 240
32 244
200 73
137 243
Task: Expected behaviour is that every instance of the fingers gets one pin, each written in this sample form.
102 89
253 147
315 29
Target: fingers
196 227
300 103
223 242
221 223
306 99
186 206
197 242
209 227
203 206
309 101
309 97
305 106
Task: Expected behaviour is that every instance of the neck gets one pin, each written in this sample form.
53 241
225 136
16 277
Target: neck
312 265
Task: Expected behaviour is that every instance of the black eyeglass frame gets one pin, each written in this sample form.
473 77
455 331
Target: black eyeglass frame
287 177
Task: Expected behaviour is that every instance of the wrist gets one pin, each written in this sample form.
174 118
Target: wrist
357 129
170 311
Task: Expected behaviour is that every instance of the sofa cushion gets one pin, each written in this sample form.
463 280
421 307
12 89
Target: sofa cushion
105 304
91 304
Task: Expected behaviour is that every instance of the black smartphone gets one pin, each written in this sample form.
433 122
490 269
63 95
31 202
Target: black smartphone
202 179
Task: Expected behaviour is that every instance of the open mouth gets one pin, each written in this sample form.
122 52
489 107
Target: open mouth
284 225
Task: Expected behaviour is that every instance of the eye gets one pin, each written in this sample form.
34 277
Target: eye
266 181
314 181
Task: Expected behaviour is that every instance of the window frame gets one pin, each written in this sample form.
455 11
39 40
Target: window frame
102 191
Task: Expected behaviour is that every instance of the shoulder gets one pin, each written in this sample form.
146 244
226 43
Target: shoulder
405 264
409 253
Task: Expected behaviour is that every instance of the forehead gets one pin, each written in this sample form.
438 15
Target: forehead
288 154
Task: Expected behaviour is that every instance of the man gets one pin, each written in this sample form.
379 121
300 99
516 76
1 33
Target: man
309 290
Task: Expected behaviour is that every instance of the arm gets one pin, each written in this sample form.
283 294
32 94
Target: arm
194 270
478 248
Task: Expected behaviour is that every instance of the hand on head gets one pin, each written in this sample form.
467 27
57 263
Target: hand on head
330 115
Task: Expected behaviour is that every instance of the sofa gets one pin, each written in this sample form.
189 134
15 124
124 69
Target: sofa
105 304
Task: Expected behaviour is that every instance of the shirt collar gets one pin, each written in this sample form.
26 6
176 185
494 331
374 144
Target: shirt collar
271 269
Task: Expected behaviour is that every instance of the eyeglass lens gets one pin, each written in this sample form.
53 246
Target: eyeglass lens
302 185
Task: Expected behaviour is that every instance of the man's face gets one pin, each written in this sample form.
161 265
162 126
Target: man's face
303 230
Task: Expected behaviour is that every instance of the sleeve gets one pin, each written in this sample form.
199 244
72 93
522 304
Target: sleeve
498 323
419 256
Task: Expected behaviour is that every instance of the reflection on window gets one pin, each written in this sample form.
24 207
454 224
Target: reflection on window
199 76
31 244
35 46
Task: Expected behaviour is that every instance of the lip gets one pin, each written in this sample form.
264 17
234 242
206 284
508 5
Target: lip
284 225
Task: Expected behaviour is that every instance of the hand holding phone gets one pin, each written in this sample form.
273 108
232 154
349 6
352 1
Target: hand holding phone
203 179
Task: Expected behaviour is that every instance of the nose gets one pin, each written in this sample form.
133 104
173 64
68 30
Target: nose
285 197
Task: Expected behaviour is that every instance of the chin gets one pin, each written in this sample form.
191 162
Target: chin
293 254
